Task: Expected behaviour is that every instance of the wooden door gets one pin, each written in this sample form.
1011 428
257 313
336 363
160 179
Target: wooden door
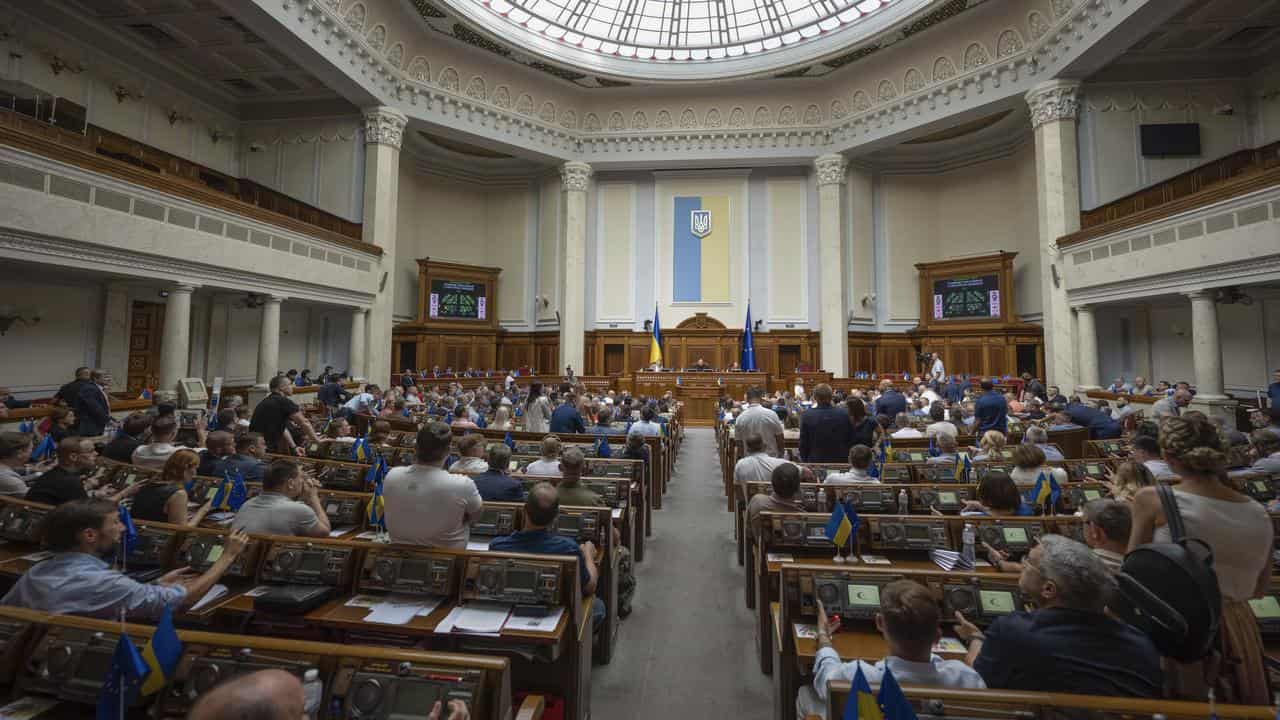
144 346
614 359
788 359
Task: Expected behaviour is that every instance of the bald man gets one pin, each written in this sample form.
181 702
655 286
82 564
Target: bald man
263 695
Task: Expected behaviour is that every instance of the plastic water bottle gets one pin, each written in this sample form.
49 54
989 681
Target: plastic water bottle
904 505
966 551
313 691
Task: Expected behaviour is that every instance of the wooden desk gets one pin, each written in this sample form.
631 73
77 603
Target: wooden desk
699 392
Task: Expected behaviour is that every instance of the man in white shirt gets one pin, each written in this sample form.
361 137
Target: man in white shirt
364 403
859 464
928 395
1171 406
549 463
425 504
1146 450
939 425
946 447
156 453
471 451
937 373
903 423
760 420
758 465
908 620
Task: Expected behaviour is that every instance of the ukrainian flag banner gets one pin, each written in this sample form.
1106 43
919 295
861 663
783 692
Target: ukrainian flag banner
655 340
964 467
700 248
861 704
839 528
161 654
1045 490
377 514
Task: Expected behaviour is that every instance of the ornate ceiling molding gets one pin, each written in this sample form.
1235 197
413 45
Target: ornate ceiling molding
879 109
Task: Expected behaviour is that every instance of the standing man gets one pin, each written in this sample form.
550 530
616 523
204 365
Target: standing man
891 402
71 391
93 405
991 409
937 372
272 417
566 418
757 419
1273 390
826 433
331 394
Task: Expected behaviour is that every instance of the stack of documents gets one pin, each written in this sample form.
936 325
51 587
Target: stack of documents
949 559
395 609
476 618
543 623
217 592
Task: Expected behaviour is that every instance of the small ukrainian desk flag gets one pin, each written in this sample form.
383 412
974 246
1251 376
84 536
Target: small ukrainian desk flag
861 704
161 654
839 528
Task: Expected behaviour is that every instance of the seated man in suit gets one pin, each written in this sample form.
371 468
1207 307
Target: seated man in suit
226 454
496 483
540 511
128 439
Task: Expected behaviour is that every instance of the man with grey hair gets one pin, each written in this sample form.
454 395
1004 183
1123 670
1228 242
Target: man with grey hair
1068 643
1036 435
496 483
758 464
1107 524
1171 406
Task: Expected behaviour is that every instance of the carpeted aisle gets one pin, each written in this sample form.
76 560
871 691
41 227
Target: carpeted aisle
687 651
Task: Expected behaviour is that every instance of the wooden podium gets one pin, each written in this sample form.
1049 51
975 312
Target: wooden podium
699 391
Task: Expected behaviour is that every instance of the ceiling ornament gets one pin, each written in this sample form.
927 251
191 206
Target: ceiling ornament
737 118
975 56
355 17
476 89
913 81
378 37
419 70
395 55
616 123
501 97
1039 26
448 79
943 69
1060 7
688 120
640 122
713 119
1009 44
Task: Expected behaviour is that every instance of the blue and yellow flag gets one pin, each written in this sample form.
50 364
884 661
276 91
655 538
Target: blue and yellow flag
27 426
861 704
655 340
376 517
161 654
839 527
602 447
124 678
360 450
46 450
893 702
509 442
964 467
933 449
1046 489
130 534
378 470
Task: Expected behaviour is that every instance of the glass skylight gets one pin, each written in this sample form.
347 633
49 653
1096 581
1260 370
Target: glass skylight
665 31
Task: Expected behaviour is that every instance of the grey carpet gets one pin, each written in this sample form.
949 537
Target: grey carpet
687 651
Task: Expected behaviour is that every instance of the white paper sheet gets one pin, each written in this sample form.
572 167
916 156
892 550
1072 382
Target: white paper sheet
780 557
396 609
258 591
341 530
216 593
617 513
546 623
476 618
26 708
36 557
478 544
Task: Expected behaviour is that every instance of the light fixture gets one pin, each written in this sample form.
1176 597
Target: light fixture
176 116
216 134
57 65
759 324
9 316
648 326
122 93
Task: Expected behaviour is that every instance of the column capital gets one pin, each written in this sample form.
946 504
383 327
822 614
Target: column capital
831 169
1210 294
273 299
1084 308
575 175
359 310
1053 101
184 288
384 126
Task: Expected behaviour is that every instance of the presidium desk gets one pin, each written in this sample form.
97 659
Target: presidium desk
699 391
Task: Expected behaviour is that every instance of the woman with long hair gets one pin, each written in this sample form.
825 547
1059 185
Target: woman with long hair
1127 479
1238 531
537 410
165 498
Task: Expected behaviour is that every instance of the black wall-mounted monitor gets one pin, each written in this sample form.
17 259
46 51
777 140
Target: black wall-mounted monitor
1170 140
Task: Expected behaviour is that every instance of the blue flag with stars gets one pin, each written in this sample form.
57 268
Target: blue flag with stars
602 447
231 493
130 534
892 701
748 361
123 680
46 450
509 442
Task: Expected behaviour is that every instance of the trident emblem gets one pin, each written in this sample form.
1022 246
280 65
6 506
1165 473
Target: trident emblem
700 222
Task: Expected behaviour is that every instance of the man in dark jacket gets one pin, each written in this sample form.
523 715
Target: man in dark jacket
496 484
92 405
566 418
991 410
71 391
220 461
826 433
891 402
128 439
331 394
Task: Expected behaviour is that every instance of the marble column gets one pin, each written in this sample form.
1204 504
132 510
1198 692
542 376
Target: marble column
355 357
383 133
833 316
574 177
175 342
1054 106
113 343
1087 342
1206 346
269 341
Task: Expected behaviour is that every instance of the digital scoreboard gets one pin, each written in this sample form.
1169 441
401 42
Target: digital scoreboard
966 297
458 300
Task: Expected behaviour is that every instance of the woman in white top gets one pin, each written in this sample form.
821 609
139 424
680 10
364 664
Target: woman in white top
537 410
502 418
549 463
991 447
1029 462
1238 531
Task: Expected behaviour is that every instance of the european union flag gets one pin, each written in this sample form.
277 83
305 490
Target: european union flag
509 442
124 678
27 426
480 423
146 394
161 654
893 702
130 534
46 450
933 449
861 704
748 361
602 447
839 528
231 493
519 412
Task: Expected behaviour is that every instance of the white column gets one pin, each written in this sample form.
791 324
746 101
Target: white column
833 317
355 358
175 342
383 132
574 176
1206 347
269 341
1087 342
113 343
1054 106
